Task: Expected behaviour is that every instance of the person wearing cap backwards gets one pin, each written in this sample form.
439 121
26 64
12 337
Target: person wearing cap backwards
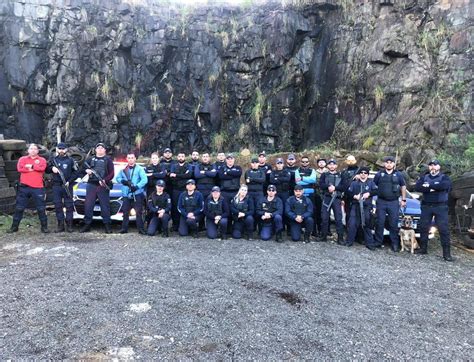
332 188
299 210
31 169
291 167
318 197
390 185
270 212
166 162
255 178
65 165
242 208
98 187
348 175
154 171
159 206
265 167
435 187
179 174
216 210
133 179
361 189
190 207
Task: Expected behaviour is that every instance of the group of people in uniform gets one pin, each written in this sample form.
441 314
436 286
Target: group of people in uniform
199 195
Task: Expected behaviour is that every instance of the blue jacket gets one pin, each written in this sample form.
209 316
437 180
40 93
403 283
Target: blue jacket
136 176
308 182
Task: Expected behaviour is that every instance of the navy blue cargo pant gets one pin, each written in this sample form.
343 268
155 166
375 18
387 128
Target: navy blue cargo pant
440 214
387 210
174 208
158 224
62 200
23 194
137 204
244 223
187 225
325 214
295 228
268 227
355 222
212 229
94 192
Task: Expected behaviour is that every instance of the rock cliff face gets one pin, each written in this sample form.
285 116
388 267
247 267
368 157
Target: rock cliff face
385 78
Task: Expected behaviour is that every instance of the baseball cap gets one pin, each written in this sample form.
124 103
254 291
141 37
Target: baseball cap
160 183
167 149
262 153
434 162
271 188
254 160
298 187
190 181
216 188
389 158
100 144
321 159
230 155
332 160
291 156
279 160
363 169
61 146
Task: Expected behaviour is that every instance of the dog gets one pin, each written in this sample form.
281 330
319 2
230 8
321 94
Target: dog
407 235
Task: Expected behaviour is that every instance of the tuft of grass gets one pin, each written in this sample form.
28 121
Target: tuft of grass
258 106
379 96
219 140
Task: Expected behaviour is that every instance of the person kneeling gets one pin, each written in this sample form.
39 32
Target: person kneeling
159 205
270 210
242 208
190 207
299 210
216 210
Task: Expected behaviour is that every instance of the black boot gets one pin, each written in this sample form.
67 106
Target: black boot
323 238
166 232
195 233
250 235
278 237
423 250
14 227
69 226
340 239
86 228
44 227
306 237
108 228
123 231
447 253
142 231
60 228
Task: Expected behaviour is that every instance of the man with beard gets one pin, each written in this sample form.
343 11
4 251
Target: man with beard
166 162
291 167
265 167
65 171
255 178
220 162
179 174
194 162
318 197
348 175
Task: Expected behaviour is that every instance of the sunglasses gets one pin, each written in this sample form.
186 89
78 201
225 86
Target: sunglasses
364 172
304 161
271 190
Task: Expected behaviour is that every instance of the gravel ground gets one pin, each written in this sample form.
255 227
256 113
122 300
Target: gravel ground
130 296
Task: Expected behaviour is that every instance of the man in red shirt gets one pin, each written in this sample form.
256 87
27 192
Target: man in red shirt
31 169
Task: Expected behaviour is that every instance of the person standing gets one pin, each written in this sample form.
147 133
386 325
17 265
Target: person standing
255 178
291 167
65 171
435 187
391 184
154 171
31 168
134 180
179 174
100 170
318 197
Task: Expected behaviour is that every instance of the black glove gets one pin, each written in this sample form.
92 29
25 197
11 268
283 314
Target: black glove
133 188
125 182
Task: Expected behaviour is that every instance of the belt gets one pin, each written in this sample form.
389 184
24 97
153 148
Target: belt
433 203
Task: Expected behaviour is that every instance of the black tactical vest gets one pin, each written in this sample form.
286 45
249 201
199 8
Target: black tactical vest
99 164
300 206
435 196
214 207
241 205
232 184
190 202
388 186
206 180
160 201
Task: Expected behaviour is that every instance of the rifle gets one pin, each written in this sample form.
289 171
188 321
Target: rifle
63 179
333 197
361 208
96 174
129 180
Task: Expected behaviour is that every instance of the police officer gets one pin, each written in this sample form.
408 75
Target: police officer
306 177
299 210
159 206
205 175
391 184
31 169
270 212
220 162
229 176
65 171
100 169
265 167
255 178
194 162
179 174
190 207
154 171
332 188
166 163
281 178
348 175
318 196
435 187
134 180
216 210
361 191
242 208
291 167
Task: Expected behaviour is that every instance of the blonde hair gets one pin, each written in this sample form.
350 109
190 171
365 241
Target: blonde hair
237 196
